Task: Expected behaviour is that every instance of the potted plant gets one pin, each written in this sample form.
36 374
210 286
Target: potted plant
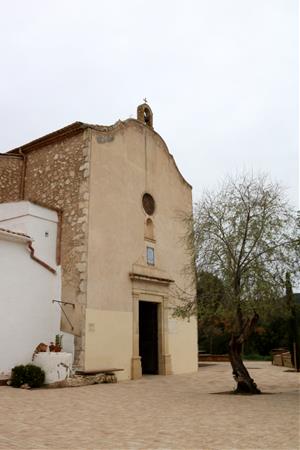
58 343
52 347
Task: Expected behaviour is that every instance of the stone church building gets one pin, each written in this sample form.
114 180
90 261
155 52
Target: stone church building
118 195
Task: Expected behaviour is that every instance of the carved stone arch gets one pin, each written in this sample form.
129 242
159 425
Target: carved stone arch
145 115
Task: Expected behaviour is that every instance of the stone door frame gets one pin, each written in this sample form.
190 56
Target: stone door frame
164 358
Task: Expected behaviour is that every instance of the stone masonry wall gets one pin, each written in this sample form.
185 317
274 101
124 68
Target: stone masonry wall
10 178
57 176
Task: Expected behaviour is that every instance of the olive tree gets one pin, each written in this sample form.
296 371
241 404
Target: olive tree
246 235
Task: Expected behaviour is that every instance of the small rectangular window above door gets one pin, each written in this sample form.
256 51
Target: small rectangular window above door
150 256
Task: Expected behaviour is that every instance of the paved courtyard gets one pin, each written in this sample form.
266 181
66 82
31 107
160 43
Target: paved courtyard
175 412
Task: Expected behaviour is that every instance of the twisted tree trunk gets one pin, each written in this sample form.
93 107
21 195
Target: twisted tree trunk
245 384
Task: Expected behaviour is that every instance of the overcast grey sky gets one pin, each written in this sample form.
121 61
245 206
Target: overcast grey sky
221 77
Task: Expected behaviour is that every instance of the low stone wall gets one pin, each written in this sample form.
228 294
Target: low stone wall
56 365
208 357
84 380
282 359
4 379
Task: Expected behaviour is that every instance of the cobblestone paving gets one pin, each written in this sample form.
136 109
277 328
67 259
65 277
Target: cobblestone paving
174 412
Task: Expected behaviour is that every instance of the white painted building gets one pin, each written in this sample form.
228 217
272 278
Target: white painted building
29 280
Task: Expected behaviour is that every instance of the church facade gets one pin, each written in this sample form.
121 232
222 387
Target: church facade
119 196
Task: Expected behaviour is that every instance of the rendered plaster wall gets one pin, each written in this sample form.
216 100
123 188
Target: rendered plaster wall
57 176
126 162
183 345
10 178
34 221
27 290
109 341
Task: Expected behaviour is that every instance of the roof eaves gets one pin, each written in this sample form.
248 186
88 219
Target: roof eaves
69 130
14 156
14 235
76 128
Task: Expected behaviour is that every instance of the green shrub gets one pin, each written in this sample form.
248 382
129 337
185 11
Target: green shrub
30 374
18 376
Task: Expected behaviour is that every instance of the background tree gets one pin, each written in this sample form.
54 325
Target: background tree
294 343
245 234
212 323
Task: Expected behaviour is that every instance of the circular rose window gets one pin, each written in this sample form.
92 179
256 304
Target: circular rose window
148 204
